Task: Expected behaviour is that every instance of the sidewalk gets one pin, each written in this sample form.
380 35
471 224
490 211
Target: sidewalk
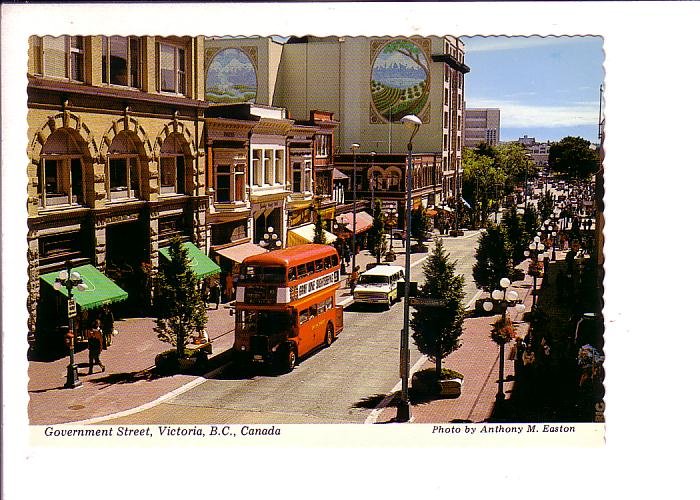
477 360
127 381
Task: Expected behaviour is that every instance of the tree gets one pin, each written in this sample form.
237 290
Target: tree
546 205
436 330
493 259
179 308
574 158
515 232
376 238
419 226
530 221
319 233
480 177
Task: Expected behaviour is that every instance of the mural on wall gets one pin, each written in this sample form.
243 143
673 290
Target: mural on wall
231 76
400 82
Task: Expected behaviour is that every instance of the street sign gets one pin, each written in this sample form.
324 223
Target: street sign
425 302
72 310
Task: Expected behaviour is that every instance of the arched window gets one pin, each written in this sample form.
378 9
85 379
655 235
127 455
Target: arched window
124 179
173 165
61 171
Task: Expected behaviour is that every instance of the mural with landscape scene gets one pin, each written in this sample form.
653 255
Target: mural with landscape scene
400 80
231 77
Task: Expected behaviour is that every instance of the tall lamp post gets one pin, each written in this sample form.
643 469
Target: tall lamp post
403 412
534 251
70 280
270 240
373 179
355 146
503 296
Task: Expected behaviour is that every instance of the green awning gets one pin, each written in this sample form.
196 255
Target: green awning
202 265
100 289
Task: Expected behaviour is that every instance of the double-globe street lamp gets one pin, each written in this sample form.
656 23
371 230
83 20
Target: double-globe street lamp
504 298
534 251
271 240
403 412
70 279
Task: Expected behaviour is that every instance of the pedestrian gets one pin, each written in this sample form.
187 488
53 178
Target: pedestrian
95 340
216 294
229 286
353 278
403 239
107 326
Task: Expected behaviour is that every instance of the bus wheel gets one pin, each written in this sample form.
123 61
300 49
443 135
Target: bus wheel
290 360
329 334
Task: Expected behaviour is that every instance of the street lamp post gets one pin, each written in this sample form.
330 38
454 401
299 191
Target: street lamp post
403 412
354 148
270 240
373 179
502 296
534 251
70 280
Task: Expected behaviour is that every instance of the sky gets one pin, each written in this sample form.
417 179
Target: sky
546 87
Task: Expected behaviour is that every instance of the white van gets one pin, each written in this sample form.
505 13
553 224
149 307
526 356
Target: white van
379 285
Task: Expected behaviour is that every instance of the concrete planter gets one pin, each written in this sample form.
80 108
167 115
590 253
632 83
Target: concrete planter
450 387
444 388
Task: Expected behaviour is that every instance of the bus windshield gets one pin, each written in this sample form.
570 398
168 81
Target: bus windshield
263 274
263 322
372 280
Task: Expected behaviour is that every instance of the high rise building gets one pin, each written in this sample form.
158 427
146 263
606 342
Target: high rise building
482 125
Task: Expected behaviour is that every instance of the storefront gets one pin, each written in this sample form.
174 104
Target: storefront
100 291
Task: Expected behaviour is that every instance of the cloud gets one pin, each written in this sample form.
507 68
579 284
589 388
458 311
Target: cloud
514 114
495 43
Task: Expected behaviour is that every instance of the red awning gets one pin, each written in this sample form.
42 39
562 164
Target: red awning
364 221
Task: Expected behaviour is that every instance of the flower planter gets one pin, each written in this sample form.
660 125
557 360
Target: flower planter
446 388
450 387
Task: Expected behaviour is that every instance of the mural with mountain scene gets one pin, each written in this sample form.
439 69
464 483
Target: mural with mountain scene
231 77
400 80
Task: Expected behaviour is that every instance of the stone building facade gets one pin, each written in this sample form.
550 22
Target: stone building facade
116 163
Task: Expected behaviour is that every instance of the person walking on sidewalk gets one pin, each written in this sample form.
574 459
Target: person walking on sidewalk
108 326
216 294
95 345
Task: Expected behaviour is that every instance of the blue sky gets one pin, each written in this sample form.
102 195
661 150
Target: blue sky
547 88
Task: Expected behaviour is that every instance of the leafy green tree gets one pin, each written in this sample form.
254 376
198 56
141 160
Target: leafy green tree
179 308
493 258
512 158
515 232
546 205
480 178
436 330
530 221
420 225
319 233
574 158
376 237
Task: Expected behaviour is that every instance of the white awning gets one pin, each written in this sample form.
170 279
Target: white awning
305 234
237 253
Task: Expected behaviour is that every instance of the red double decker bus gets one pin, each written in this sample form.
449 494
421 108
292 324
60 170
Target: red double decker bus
285 304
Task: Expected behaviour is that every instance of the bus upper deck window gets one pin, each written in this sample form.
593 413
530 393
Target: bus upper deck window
327 263
334 260
292 275
319 265
310 268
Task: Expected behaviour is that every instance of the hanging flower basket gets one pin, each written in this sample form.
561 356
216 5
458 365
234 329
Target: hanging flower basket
503 331
536 269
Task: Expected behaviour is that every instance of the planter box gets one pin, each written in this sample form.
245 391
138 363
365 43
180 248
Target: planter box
451 387
446 388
